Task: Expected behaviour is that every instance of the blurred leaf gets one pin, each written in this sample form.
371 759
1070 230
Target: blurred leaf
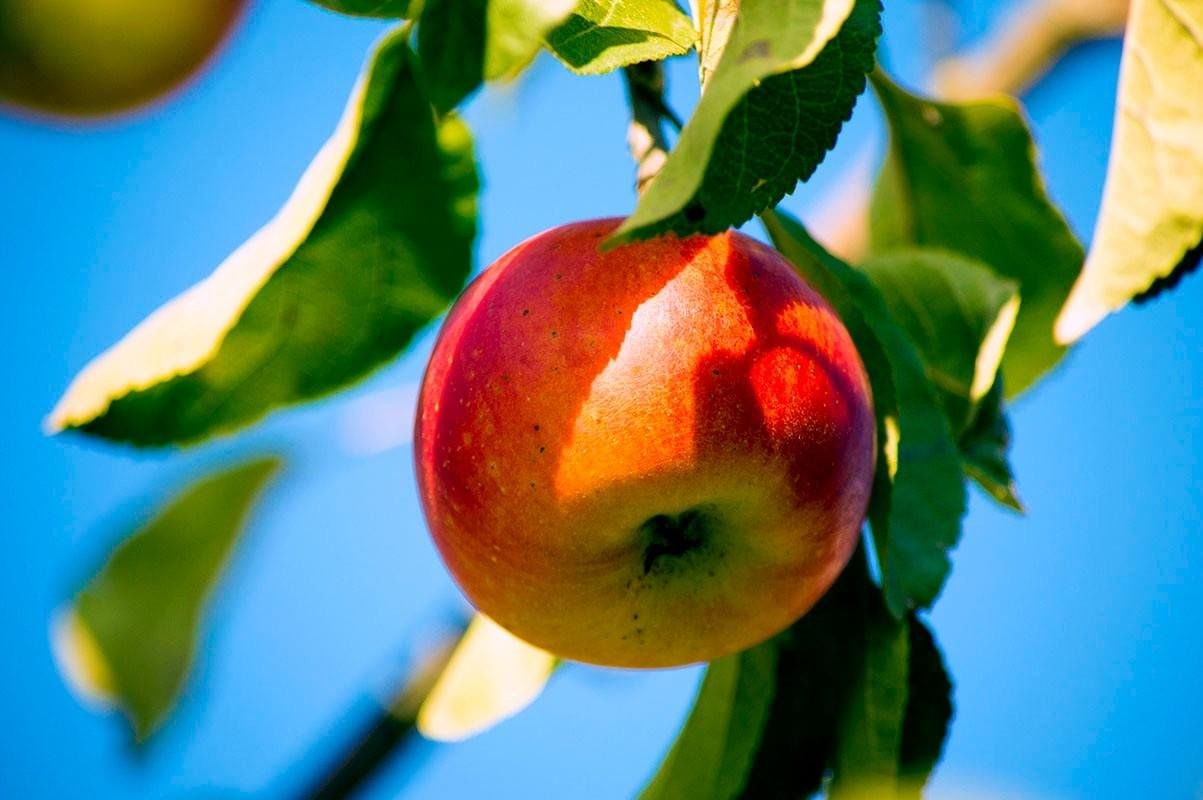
788 79
919 497
374 243
714 749
985 445
928 711
492 676
466 42
957 312
962 177
1152 213
394 9
130 634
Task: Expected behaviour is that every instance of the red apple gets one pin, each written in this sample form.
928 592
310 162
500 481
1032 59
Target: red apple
87 58
647 456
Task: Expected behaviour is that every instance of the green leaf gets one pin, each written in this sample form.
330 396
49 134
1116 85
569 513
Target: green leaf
466 42
929 711
957 312
715 748
1152 213
603 35
131 633
962 176
491 676
387 9
788 79
870 730
919 498
374 243
985 445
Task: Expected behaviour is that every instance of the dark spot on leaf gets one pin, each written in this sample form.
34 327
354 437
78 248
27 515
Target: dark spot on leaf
761 48
695 212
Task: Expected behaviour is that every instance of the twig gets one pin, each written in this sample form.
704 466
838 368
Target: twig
392 730
645 135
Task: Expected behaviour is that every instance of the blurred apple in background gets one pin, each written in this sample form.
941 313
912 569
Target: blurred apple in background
647 456
94 58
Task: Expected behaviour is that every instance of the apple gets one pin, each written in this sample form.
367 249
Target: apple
89 58
647 456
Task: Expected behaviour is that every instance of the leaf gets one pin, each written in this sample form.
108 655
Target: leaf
957 312
870 731
715 747
787 81
130 635
1152 212
929 710
603 35
919 498
827 709
985 445
961 176
374 243
463 43
960 315
492 675
388 9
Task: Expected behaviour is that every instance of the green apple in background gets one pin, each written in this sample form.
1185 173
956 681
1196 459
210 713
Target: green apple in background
94 58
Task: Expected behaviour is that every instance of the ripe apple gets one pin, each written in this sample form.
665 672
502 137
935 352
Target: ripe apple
88 58
647 456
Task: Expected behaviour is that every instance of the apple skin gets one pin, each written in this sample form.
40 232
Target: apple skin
95 58
645 457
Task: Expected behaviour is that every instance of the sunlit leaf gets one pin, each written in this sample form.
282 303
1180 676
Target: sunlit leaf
603 35
1151 221
715 748
929 711
962 176
466 42
129 636
492 676
787 81
388 9
374 243
958 313
919 497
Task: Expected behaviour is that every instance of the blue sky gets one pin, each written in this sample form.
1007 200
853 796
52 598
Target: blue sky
1073 634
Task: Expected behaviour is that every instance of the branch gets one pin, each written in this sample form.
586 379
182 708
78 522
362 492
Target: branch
389 733
1026 45
645 135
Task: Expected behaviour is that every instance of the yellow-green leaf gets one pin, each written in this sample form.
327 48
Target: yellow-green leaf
129 636
492 676
1151 222
603 35
374 243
